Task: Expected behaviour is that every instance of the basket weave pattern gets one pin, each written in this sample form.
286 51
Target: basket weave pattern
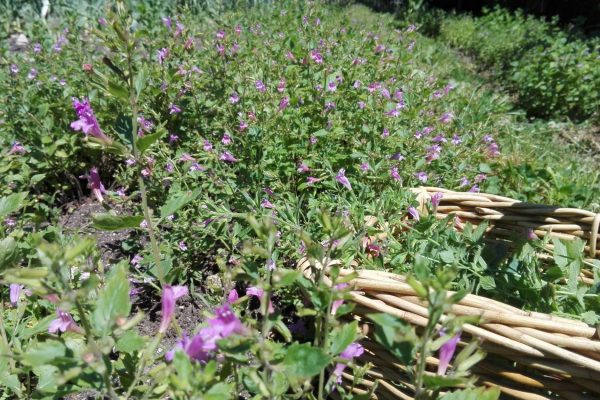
531 355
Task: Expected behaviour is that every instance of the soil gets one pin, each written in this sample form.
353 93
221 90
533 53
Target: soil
76 219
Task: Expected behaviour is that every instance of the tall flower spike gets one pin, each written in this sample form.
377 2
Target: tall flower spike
169 296
87 122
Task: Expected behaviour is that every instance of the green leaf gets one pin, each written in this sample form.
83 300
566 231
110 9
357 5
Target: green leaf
434 382
111 222
11 203
219 391
140 81
44 353
130 342
304 361
9 253
473 394
395 335
343 337
144 142
113 301
176 201
285 277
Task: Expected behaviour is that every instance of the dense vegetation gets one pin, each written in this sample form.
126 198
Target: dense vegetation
225 145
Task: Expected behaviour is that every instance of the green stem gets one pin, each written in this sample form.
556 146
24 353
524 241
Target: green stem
142 185
4 336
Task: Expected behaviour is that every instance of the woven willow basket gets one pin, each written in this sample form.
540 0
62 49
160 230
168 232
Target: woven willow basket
531 356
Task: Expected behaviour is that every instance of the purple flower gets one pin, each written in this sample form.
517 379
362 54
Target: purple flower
196 167
37 48
136 260
63 323
226 140
439 139
446 352
464 182
341 178
446 117
169 295
313 140
393 113
397 157
182 246
173 138
421 176
311 180
266 204
145 124
361 105
234 98
102 21
233 296
395 174
281 86
121 192
474 189
303 168
167 22
456 140
15 293
186 157
436 198
316 57
228 157
433 153
95 184
173 109
243 125
331 86
87 122
32 74
352 351
207 146
365 166
480 178
493 150
257 292
260 86
162 54
357 84
413 213
17 148
284 103
270 265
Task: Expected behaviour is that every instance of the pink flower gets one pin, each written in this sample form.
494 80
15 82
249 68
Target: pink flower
17 148
446 352
162 54
226 140
395 174
174 109
169 295
436 198
311 180
63 323
234 98
260 86
15 293
95 184
284 103
254 291
352 351
207 146
233 296
341 178
281 86
243 125
413 213
316 57
266 204
303 168
87 121
421 176
228 157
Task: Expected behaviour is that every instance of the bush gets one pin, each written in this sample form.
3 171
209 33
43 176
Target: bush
553 74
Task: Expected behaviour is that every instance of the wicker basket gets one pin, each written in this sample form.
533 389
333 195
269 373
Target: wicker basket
531 355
